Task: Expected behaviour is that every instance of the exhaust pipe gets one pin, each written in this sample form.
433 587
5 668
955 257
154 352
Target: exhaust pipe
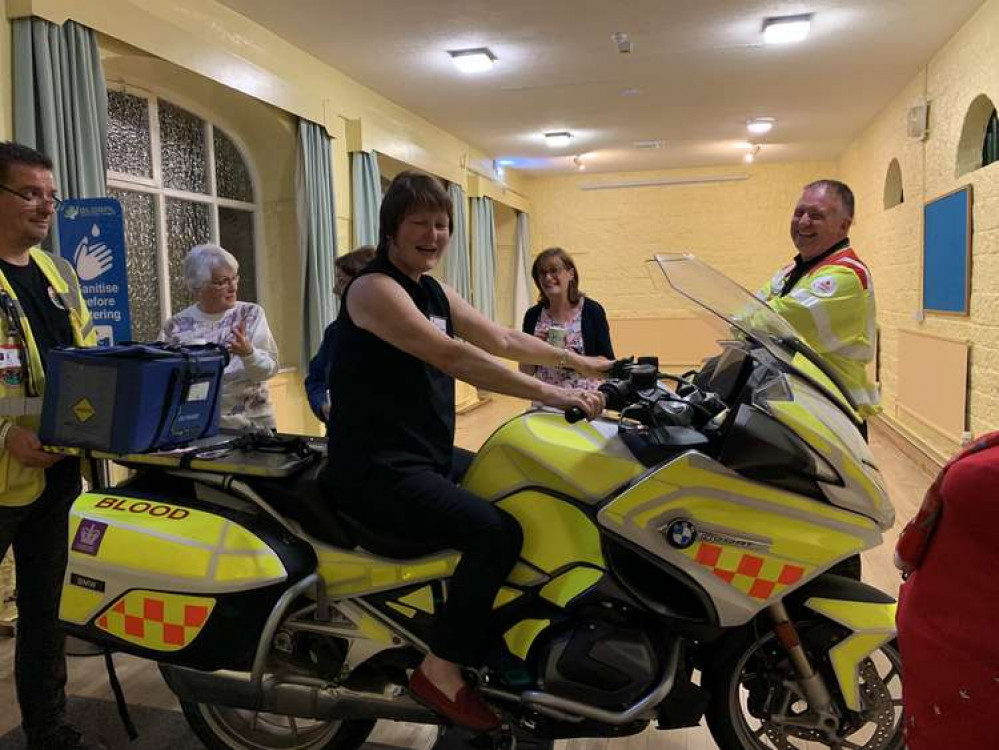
306 701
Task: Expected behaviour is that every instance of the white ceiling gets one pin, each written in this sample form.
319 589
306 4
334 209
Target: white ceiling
700 66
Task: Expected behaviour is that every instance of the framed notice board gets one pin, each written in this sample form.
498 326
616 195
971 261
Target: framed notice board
947 253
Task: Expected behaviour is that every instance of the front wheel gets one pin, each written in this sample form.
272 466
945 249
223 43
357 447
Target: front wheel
756 704
225 728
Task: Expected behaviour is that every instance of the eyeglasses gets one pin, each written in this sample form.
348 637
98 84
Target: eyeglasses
553 271
226 281
34 197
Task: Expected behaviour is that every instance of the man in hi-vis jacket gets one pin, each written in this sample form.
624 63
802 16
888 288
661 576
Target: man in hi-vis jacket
41 307
826 293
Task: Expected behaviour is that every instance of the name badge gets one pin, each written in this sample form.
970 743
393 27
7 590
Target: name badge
10 356
439 323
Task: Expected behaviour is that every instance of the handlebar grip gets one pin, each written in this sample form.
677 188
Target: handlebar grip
574 414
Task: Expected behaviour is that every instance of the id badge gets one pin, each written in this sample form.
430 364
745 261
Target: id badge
439 323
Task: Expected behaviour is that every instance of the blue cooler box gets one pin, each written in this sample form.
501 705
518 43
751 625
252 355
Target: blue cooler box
132 398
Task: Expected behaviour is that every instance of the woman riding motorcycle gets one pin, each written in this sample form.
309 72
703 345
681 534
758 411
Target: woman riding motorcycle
404 338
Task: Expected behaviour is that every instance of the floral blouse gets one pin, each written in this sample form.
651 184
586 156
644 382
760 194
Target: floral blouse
564 378
246 401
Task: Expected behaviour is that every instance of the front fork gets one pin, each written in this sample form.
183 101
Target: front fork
811 682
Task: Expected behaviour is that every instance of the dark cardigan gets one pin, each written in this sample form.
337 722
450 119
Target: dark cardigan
596 332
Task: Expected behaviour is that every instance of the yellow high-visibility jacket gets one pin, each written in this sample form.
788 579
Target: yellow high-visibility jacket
20 485
832 308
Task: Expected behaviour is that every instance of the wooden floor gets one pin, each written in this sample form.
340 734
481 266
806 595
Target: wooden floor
906 482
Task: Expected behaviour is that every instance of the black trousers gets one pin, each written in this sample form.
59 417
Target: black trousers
430 508
38 534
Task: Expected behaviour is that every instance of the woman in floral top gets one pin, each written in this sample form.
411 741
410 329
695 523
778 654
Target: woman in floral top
212 274
564 317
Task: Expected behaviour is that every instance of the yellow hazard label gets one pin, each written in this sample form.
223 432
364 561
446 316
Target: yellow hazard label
83 409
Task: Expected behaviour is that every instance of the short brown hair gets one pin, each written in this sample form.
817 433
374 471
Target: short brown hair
354 262
17 153
410 191
556 253
840 189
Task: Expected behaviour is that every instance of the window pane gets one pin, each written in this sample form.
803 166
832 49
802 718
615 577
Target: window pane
236 236
129 149
182 147
232 179
143 271
187 225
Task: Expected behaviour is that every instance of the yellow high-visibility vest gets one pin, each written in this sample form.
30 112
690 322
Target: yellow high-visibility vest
20 485
832 308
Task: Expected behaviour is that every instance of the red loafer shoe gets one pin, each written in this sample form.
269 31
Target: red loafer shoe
467 708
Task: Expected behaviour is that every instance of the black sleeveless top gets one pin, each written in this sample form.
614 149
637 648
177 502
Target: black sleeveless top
393 414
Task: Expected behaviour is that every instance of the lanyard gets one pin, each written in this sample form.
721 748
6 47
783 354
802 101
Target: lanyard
14 324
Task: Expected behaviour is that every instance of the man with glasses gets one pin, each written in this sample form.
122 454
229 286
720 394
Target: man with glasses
41 307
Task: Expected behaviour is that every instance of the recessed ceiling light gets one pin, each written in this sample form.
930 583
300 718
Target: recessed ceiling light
558 139
505 162
786 29
744 145
760 125
623 42
751 156
477 60
648 144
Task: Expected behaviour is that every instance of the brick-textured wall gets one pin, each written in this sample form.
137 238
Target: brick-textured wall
741 228
891 240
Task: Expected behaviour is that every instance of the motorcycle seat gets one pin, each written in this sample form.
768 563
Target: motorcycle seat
303 499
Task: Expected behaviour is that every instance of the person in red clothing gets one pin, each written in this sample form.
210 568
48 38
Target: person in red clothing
947 614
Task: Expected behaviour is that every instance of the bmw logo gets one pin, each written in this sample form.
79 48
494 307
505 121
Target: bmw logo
681 533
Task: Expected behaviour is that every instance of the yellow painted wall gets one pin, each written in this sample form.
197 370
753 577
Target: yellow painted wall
891 240
741 228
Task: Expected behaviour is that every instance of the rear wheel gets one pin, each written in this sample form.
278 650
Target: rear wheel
756 704
226 728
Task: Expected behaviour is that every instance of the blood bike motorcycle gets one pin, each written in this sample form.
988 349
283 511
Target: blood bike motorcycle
675 565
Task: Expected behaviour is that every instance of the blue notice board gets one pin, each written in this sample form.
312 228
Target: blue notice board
92 239
947 253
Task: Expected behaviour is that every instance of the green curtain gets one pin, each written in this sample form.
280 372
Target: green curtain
456 262
61 102
484 256
523 284
366 184
317 234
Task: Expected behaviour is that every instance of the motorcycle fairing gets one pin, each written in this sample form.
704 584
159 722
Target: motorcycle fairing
829 433
747 544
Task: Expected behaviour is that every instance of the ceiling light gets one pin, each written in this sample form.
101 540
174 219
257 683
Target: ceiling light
631 92
744 145
578 161
648 144
558 139
786 29
505 162
751 156
760 125
477 60
623 42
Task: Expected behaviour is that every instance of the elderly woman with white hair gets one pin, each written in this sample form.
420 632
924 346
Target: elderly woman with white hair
217 317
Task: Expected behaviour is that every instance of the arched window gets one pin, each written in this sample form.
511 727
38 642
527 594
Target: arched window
990 144
894 194
979 144
181 181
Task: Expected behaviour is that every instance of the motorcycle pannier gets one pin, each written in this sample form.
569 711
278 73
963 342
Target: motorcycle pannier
132 398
